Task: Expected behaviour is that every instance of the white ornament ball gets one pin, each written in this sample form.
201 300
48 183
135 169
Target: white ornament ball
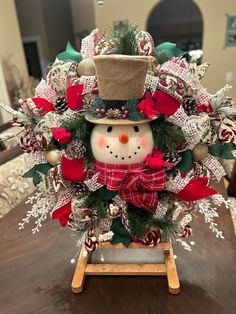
53 157
86 67
200 152
122 144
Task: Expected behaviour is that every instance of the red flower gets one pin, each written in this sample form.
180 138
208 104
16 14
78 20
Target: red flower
61 135
156 161
62 214
227 131
43 105
146 106
74 97
205 108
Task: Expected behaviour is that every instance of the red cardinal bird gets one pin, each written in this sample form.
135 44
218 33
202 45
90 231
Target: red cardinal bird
156 160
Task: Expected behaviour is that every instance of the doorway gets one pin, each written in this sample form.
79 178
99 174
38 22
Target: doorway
177 21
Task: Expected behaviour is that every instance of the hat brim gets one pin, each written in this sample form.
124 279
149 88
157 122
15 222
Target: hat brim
107 121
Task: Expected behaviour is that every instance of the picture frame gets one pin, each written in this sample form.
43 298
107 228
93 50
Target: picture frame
230 36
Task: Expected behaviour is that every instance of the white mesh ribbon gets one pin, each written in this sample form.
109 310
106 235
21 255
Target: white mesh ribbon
45 91
214 166
88 44
178 67
32 159
203 97
64 198
179 118
92 183
196 129
178 183
120 202
191 132
69 115
89 83
151 83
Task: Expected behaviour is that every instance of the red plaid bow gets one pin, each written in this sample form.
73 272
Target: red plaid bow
135 184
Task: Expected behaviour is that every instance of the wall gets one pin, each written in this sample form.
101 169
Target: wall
83 18
32 24
10 39
213 11
58 24
48 20
222 59
10 45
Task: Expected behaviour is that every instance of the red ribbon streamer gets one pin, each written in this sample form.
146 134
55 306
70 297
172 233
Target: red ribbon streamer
62 214
196 190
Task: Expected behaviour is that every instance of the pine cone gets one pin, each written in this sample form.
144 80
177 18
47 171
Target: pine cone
75 149
61 105
114 114
174 158
189 105
80 188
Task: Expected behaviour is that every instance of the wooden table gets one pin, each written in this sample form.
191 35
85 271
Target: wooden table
36 273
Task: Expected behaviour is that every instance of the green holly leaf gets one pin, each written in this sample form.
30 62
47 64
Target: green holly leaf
101 210
186 163
34 173
107 195
121 235
166 51
222 150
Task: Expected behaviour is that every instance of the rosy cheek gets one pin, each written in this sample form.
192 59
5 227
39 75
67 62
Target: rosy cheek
144 142
101 142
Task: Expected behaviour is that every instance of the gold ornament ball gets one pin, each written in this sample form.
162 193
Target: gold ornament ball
200 152
86 67
53 157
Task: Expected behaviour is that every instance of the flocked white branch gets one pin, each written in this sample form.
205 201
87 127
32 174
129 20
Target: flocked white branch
209 212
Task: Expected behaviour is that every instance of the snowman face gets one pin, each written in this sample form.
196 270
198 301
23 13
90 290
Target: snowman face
121 144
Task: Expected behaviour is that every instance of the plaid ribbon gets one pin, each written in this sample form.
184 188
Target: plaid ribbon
136 184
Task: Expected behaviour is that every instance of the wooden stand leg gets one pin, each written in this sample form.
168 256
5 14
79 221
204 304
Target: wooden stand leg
171 272
79 275
168 269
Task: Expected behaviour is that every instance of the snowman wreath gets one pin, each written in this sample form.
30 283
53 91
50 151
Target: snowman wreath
121 144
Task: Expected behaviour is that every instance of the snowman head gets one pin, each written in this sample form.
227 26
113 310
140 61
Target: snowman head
121 144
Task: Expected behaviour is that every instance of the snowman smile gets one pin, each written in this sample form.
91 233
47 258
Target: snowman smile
122 157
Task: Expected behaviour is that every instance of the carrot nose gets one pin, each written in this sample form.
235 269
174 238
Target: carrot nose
124 138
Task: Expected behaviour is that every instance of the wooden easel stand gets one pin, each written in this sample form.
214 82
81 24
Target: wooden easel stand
84 268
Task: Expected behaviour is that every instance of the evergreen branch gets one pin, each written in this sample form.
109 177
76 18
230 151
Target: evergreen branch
141 220
166 135
130 105
125 40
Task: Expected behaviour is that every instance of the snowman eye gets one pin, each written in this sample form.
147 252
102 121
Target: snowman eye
136 128
109 129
